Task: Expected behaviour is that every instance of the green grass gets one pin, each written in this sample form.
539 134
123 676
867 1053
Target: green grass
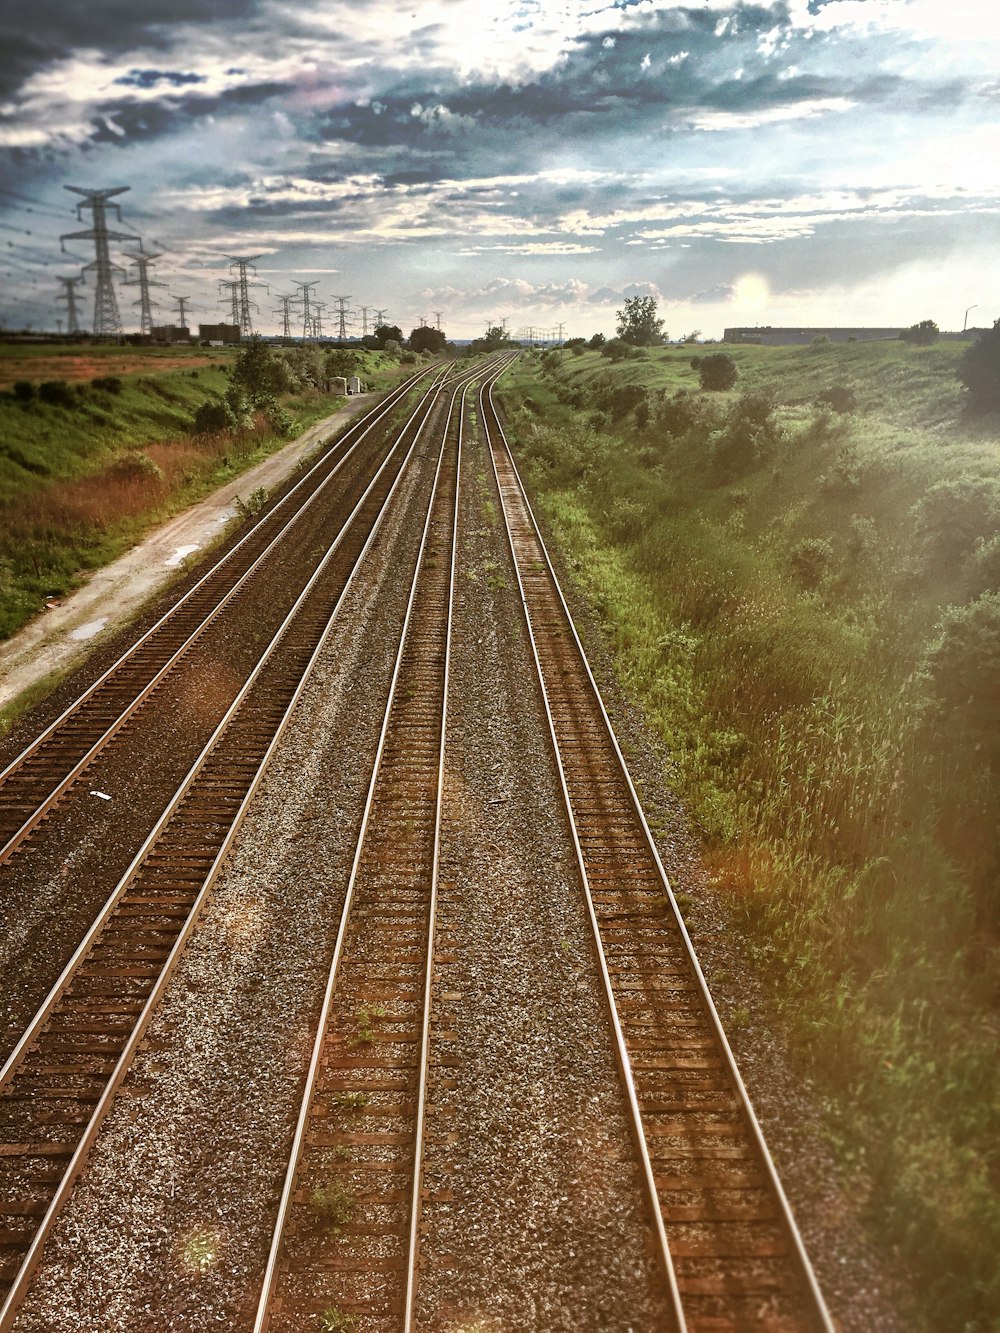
778 627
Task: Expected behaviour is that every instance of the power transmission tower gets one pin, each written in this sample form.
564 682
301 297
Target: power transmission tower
342 313
107 320
245 275
285 313
561 325
307 319
232 289
379 318
318 308
69 296
364 320
181 303
437 316
143 281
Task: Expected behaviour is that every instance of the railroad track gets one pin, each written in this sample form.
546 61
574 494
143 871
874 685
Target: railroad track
61 1079
346 1238
37 779
732 1256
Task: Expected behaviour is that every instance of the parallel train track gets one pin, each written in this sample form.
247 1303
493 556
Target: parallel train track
732 1254
60 1081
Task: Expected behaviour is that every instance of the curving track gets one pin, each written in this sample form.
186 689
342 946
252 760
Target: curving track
732 1255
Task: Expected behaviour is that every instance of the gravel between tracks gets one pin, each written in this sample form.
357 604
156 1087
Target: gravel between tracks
170 1227
534 1217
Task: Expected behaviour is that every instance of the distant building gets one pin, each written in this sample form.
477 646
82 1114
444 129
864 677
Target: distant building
171 333
769 336
221 334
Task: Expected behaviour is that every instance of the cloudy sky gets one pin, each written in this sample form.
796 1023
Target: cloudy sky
785 161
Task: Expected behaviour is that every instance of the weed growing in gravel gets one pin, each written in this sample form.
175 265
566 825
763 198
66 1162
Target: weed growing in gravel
352 1101
333 1320
333 1205
364 1032
199 1249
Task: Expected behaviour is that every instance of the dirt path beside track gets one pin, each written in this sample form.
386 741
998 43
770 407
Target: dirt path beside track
61 636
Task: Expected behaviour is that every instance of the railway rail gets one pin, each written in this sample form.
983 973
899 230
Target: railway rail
732 1254
35 781
60 1081
346 1238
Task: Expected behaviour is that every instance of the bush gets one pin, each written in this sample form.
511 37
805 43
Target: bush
213 417
811 561
137 466
839 398
963 663
282 422
112 383
717 371
921 335
979 370
684 412
25 391
616 349
955 515
750 436
57 393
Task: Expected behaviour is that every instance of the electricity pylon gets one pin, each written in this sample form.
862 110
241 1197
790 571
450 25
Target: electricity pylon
245 274
379 318
107 320
342 313
307 318
143 281
69 296
318 307
437 315
284 312
232 289
181 303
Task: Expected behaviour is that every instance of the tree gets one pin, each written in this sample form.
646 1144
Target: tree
979 370
922 334
718 370
638 324
259 375
339 361
384 333
426 339
597 341
492 340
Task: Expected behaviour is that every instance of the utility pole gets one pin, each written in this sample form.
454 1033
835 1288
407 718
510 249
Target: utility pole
307 320
342 313
69 296
181 303
284 312
232 288
245 275
143 281
107 320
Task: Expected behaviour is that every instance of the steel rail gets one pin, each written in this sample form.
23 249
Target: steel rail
817 1315
20 1284
679 1324
271 1276
14 769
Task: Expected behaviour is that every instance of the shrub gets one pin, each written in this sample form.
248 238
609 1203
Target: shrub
717 371
598 340
963 663
811 561
750 436
955 515
392 347
616 349
921 335
213 417
138 466
684 412
979 370
57 393
282 422
839 398
112 383
24 391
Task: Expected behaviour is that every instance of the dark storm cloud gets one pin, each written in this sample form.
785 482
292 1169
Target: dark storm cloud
152 78
38 36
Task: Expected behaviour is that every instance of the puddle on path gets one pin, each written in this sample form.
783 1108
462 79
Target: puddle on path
179 555
88 631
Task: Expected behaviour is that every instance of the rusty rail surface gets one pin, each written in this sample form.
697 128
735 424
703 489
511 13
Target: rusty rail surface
34 782
60 1081
733 1256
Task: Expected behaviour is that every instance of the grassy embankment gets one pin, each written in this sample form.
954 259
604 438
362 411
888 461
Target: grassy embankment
86 469
805 604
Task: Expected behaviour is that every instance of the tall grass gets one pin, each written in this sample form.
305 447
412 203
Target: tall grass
851 825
